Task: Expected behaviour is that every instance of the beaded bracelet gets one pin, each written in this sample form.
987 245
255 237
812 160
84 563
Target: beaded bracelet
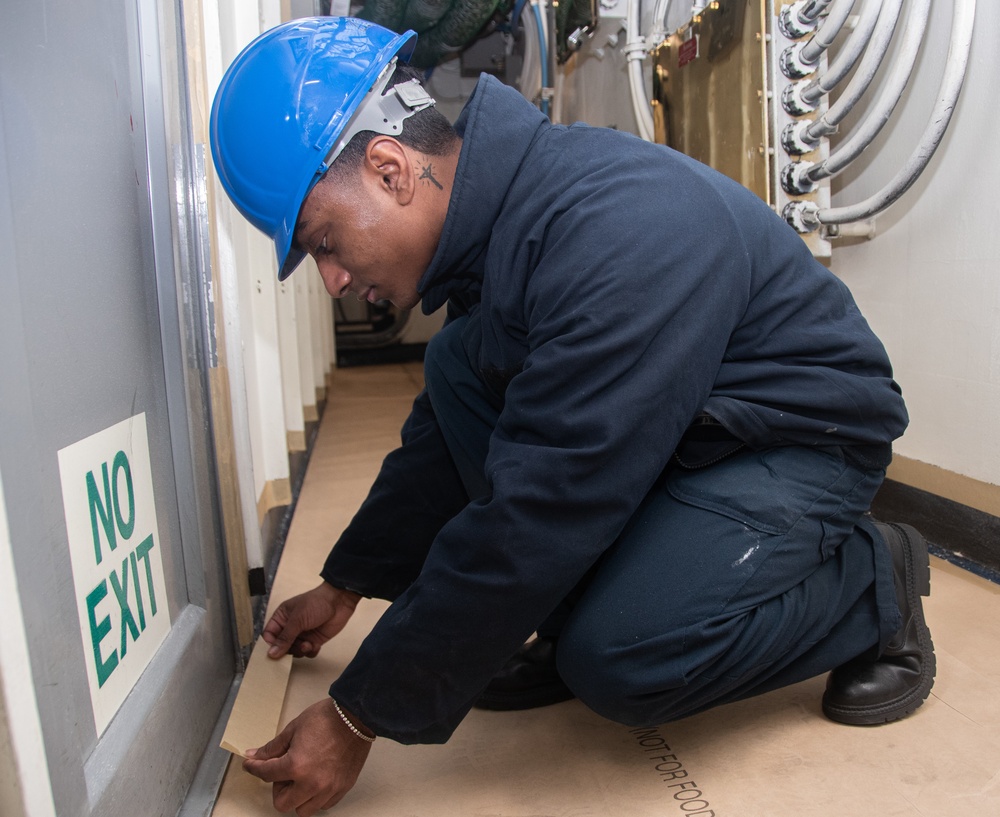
350 725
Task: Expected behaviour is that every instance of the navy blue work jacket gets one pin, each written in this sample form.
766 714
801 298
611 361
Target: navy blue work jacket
616 289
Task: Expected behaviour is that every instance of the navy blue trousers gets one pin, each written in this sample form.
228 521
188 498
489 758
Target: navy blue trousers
729 581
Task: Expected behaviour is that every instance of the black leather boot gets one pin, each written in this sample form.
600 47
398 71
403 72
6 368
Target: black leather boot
528 680
868 691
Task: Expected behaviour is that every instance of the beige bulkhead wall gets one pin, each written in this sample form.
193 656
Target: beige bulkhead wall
267 333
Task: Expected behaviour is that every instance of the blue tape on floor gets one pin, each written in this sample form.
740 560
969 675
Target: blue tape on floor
966 564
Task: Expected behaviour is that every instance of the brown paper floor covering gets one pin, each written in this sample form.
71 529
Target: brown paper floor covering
767 757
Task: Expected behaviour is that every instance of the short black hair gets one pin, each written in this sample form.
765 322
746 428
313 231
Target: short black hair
428 131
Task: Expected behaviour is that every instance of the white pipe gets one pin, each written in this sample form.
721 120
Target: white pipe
881 37
851 52
544 52
963 18
815 9
659 31
530 80
635 52
875 119
859 229
828 32
551 50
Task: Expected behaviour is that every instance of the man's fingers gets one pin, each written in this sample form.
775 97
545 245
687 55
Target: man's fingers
298 648
333 801
277 650
320 802
280 632
312 763
274 770
313 805
286 797
290 640
283 796
275 747
300 796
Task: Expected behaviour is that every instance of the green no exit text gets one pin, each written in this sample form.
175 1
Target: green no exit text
113 511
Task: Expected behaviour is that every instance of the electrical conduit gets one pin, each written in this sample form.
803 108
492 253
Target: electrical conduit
959 46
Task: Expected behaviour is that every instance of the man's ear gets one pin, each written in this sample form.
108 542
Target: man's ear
387 165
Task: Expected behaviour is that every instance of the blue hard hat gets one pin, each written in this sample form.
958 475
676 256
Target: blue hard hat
281 109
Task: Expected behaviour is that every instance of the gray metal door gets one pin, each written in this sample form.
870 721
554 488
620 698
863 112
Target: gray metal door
105 446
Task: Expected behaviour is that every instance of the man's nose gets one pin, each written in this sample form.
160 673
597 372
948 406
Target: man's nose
336 279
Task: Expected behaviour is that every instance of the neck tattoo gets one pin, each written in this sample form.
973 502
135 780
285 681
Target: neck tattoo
428 176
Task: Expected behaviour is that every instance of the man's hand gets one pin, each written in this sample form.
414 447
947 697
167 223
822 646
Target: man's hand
313 762
304 623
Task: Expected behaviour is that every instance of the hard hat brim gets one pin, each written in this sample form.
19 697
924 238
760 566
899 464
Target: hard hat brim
292 259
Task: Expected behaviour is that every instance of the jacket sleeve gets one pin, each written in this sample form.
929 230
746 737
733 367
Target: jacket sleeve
417 490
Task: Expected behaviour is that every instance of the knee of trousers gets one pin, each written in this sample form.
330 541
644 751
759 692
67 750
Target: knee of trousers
610 684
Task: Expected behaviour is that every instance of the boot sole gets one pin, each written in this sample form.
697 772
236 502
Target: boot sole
918 583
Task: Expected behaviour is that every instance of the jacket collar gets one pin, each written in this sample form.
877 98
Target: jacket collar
497 126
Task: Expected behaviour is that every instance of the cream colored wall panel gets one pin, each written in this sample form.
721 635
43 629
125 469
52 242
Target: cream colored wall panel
229 26
230 237
318 301
255 278
329 341
270 13
304 327
288 345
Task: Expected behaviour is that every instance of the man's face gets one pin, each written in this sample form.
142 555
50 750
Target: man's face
365 241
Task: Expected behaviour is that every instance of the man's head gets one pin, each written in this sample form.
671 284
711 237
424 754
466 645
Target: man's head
287 108
373 221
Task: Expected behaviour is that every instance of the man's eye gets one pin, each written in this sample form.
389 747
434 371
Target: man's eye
322 249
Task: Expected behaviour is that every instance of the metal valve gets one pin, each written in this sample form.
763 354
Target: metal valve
793 102
794 178
791 63
801 215
793 138
792 24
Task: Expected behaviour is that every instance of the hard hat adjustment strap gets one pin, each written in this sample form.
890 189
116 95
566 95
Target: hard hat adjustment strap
383 112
